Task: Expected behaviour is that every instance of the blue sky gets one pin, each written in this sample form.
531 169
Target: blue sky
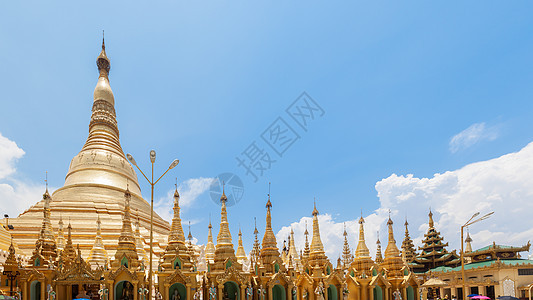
201 81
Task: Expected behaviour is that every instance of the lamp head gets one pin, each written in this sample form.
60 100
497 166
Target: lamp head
131 159
152 156
475 215
174 163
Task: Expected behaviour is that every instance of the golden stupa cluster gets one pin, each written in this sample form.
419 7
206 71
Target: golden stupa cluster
110 262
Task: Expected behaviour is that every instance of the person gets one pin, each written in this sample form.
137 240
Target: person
261 292
397 295
212 292
305 294
319 291
345 292
454 298
176 295
249 292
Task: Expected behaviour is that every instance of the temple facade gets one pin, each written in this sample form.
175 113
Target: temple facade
45 261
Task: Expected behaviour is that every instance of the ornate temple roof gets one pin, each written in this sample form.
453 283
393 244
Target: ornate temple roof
494 251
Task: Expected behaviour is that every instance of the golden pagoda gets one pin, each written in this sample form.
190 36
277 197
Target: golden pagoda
408 248
139 242
45 251
255 253
379 255
271 277
98 254
11 271
402 280
60 235
210 246
226 274
94 184
347 256
126 274
318 277
178 271
363 277
241 254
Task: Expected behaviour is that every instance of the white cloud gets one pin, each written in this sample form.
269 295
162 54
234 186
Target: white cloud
15 196
503 185
474 134
9 154
189 191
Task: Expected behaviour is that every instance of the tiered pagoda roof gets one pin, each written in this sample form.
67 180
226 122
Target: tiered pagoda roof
433 252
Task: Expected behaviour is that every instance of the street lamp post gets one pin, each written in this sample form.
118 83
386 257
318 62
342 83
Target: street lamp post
471 221
152 184
11 275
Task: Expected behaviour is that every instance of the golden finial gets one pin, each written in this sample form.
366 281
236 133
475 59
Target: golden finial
46 179
103 40
223 198
255 230
269 204
315 211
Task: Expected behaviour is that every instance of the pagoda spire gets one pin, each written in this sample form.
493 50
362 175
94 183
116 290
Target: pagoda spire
317 255
138 241
224 235
69 254
269 248
241 254
408 248
60 235
379 256
98 254
103 128
210 246
293 253
224 248
468 241
307 250
362 249
256 249
126 254
46 241
433 253
11 259
347 256
176 239
392 249
176 229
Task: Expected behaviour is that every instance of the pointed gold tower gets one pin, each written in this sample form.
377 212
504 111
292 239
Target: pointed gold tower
255 254
393 261
362 262
269 247
126 254
95 182
98 255
60 235
45 245
224 248
307 250
317 256
177 253
379 256
293 253
139 243
210 246
347 256
241 254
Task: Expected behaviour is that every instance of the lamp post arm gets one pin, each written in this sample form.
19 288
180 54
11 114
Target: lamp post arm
144 175
161 176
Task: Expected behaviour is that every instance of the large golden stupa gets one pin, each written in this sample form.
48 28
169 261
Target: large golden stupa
94 186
